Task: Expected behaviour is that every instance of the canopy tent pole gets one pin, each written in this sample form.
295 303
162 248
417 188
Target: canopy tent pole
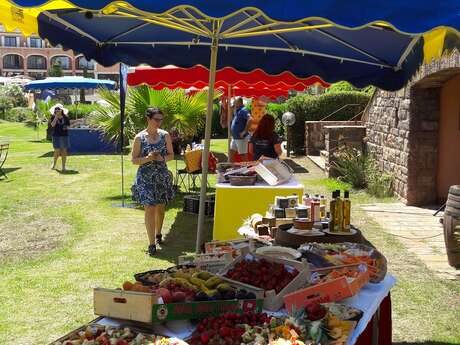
229 120
123 90
207 137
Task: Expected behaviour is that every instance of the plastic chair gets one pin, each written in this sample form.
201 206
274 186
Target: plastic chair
3 155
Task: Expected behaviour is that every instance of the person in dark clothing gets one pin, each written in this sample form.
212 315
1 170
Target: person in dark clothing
265 143
60 123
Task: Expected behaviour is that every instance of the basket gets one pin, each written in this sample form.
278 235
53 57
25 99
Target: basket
242 180
192 204
142 277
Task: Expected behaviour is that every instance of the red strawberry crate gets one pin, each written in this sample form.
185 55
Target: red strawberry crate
271 278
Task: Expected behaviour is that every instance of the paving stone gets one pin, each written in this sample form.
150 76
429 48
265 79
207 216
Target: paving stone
410 225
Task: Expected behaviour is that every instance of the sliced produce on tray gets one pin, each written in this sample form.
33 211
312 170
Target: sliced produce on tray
333 254
95 334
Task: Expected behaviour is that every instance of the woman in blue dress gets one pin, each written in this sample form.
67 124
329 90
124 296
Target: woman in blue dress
153 187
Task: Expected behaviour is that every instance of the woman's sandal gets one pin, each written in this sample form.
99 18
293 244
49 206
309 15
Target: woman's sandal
159 239
152 249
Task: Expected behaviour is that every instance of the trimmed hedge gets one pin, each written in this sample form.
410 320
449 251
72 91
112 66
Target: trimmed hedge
315 108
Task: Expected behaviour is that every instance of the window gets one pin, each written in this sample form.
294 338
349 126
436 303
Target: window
10 41
63 61
36 62
35 42
82 63
13 61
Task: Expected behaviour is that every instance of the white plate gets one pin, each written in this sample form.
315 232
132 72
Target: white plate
313 232
341 233
280 252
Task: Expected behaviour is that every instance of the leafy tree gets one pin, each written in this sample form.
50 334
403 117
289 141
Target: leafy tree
184 113
56 70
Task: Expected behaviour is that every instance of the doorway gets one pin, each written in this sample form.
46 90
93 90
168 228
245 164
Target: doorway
448 169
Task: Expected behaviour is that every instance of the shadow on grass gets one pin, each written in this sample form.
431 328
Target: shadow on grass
50 154
427 342
10 170
182 234
297 168
68 172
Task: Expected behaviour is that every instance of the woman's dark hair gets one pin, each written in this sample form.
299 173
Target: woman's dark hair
265 128
152 111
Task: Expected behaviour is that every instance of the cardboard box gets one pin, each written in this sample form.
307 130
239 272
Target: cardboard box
273 171
232 246
212 262
331 291
272 301
145 307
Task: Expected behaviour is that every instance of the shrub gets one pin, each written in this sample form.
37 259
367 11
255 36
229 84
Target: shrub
21 114
277 110
351 164
343 86
5 105
379 184
315 108
362 171
78 111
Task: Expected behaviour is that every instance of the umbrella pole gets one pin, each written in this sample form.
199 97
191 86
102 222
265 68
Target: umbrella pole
229 121
207 142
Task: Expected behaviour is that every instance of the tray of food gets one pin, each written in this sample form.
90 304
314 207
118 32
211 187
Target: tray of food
333 254
326 324
96 334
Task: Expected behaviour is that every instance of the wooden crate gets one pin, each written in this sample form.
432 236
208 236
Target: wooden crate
120 304
272 300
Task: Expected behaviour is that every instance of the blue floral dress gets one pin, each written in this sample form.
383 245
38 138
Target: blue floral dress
154 183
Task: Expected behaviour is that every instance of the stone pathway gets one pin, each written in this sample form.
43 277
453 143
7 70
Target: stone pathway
418 231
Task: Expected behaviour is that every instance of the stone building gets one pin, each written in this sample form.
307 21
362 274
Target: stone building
33 57
414 133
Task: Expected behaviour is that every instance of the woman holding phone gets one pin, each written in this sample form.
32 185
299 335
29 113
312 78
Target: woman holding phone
60 123
153 187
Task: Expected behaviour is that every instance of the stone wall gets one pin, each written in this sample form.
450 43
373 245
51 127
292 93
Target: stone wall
315 134
402 130
338 136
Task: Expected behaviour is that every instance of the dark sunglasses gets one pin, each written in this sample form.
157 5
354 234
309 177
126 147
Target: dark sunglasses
157 119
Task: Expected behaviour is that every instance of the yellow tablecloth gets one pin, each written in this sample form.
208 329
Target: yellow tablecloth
235 204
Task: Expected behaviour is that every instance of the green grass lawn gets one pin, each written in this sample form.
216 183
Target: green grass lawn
60 236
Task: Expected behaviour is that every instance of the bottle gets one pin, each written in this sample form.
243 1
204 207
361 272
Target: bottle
332 207
338 212
322 206
346 212
315 210
306 200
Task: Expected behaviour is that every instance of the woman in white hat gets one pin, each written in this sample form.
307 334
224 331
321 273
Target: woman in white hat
60 123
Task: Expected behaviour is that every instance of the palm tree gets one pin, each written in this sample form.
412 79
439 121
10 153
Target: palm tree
182 112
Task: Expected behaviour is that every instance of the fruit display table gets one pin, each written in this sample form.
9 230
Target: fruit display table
374 327
234 204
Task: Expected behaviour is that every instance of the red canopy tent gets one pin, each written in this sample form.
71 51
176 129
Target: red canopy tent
229 81
197 76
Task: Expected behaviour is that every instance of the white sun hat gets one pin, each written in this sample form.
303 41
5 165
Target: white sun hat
60 106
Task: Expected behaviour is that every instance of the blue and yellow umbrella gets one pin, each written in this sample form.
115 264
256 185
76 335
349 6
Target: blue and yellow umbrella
365 42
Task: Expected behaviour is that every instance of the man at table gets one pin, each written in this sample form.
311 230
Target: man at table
239 129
